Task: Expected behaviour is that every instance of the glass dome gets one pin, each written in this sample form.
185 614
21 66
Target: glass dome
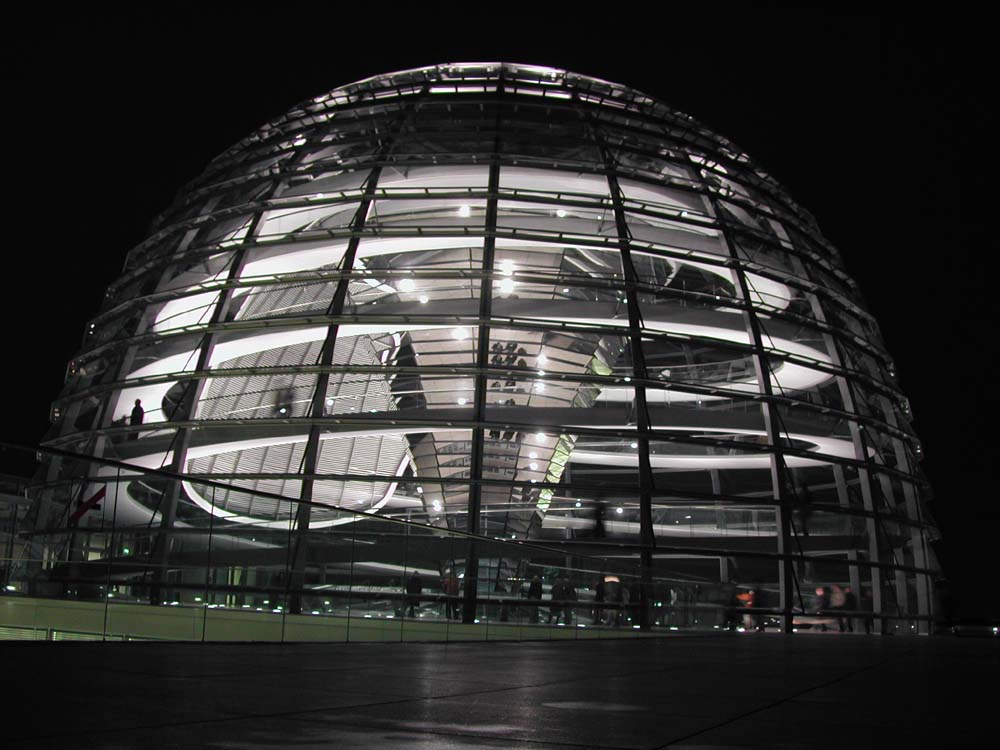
517 302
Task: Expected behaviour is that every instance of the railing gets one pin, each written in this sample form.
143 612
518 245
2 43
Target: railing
87 559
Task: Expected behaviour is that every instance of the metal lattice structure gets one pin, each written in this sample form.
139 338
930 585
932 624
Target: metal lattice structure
519 302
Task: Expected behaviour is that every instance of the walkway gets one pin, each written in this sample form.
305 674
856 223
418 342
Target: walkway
685 693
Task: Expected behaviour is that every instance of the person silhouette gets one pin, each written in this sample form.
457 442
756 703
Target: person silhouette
599 530
414 587
138 413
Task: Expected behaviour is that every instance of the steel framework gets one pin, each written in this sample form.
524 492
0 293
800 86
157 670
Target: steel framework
516 302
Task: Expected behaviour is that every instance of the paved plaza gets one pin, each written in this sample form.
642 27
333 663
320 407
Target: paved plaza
688 693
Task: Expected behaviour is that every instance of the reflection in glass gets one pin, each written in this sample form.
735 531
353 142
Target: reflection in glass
499 299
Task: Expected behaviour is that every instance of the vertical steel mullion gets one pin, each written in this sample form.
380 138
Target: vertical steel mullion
158 554
105 415
870 477
189 401
646 480
857 440
786 577
917 533
867 477
471 578
303 512
311 454
918 539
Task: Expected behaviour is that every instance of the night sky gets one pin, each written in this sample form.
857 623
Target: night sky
875 122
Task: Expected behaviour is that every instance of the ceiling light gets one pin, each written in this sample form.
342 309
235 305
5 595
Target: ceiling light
407 285
464 211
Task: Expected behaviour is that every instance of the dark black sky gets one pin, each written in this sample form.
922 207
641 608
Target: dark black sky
876 122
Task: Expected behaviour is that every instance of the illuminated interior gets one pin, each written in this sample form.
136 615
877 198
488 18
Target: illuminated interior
517 302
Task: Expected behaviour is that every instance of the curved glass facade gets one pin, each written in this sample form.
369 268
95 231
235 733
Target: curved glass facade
515 302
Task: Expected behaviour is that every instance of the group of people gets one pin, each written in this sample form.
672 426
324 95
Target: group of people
561 604
837 603
414 588
611 599
741 612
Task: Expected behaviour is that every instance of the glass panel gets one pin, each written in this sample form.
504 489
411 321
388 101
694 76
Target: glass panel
664 200
673 168
552 182
698 364
596 219
437 179
331 184
426 213
566 262
235 569
683 233
283 300
309 214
